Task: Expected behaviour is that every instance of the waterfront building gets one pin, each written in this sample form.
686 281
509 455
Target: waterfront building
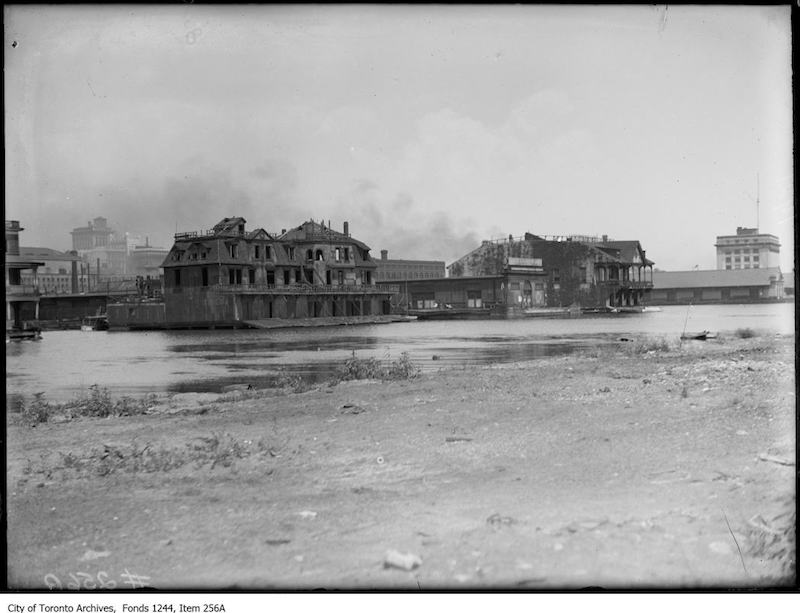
747 249
504 294
58 273
230 277
402 270
717 286
22 297
578 270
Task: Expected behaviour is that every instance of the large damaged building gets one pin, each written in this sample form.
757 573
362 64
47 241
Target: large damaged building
231 277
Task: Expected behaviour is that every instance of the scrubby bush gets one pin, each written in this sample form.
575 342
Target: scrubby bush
745 333
371 368
38 411
360 368
203 452
402 368
96 403
651 345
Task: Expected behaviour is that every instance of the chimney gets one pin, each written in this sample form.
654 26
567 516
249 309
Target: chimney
74 254
384 254
283 230
605 238
347 228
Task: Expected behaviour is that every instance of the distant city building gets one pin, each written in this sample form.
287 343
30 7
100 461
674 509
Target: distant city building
399 270
22 298
109 256
747 249
95 234
145 261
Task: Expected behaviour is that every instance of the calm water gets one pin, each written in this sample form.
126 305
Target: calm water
65 363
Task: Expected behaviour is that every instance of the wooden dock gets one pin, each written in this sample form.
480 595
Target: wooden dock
318 322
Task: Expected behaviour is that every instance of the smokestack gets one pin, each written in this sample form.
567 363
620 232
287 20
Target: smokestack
74 254
347 228
605 238
384 254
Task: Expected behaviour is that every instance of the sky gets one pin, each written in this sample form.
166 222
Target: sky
427 128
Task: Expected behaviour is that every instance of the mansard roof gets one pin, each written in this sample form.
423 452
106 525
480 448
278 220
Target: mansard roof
312 231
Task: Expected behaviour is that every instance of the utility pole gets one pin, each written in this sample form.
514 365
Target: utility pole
758 196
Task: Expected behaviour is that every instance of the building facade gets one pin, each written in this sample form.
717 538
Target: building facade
145 261
228 276
578 270
22 298
504 295
717 286
402 270
747 249
94 234
59 272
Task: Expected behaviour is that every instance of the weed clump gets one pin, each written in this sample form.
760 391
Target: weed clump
356 368
659 344
294 383
745 333
96 403
208 451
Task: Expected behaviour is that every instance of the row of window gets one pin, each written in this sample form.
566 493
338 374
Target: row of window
728 252
263 252
737 258
236 276
739 266
406 275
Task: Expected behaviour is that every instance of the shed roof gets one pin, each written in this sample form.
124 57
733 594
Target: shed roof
46 253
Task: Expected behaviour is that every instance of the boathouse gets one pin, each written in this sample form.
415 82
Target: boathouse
573 270
231 277
718 286
22 293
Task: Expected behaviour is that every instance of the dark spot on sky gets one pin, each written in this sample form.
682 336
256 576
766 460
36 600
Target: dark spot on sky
14 44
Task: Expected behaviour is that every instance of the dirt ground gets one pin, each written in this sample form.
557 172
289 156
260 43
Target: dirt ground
614 468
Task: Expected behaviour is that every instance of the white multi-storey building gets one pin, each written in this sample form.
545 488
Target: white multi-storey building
747 249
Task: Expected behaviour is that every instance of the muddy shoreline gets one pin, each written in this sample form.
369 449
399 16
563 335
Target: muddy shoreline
619 467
